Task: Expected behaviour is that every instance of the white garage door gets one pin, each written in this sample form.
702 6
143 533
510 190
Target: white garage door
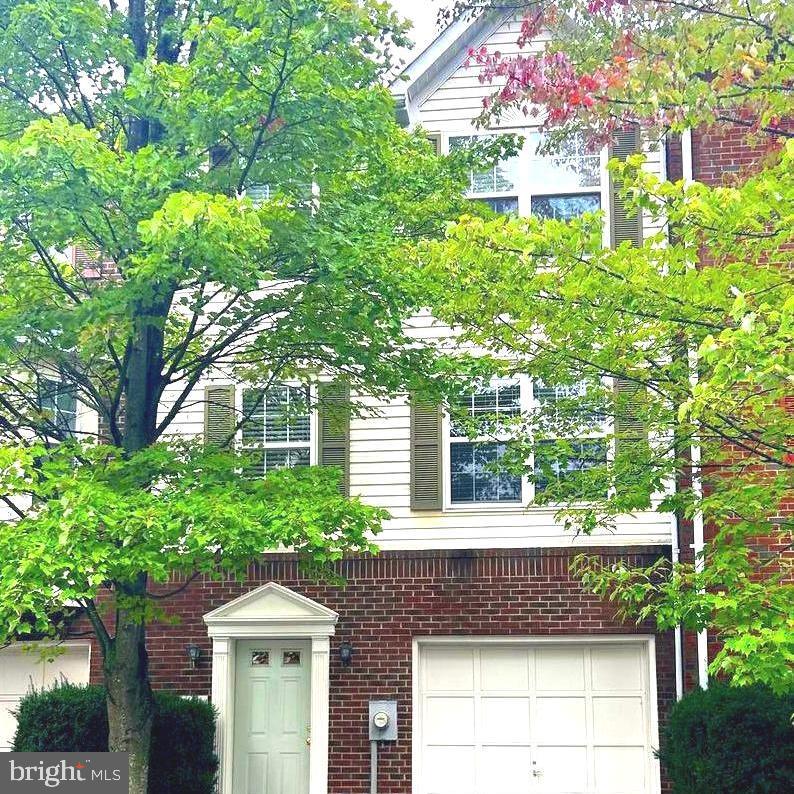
21 671
535 719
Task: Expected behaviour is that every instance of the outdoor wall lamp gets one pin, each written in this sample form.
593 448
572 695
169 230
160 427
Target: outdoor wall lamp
346 654
194 654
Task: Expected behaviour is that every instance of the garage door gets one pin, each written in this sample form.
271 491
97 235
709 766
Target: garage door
535 719
21 671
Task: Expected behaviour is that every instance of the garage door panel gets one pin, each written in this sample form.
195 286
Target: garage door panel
617 667
449 770
8 723
449 720
559 669
449 669
561 719
21 671
504 720
18 672
505 770
70 667
620 770
618 720
524 718
504 669
562 769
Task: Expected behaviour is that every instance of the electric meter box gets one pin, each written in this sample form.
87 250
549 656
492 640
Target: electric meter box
383 720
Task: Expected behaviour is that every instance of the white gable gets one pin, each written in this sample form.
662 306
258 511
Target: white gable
270 606
457 100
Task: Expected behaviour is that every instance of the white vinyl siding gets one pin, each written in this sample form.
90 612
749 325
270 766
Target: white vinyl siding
380 438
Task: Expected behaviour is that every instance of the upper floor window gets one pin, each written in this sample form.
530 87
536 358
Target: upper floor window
276 430
566 183
59 404
498 186
562 184
476 473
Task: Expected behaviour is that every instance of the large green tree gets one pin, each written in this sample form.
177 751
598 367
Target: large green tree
134 130
685 339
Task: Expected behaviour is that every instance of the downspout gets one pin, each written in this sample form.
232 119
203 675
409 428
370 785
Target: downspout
698 536
675 552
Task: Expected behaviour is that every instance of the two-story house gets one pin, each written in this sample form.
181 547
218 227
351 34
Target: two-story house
507 676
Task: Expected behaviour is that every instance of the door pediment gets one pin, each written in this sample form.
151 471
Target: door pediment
271 610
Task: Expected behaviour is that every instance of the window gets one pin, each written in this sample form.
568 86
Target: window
566 409
561 185
59 403
498 186
476 475
276 429
566 183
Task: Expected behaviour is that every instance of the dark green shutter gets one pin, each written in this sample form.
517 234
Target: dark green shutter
435 142
219 415
334 429
630 430
623 227
426 456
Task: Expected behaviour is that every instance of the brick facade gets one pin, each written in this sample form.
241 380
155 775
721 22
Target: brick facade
386 602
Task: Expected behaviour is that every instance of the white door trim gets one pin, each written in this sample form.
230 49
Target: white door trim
419 642
271 611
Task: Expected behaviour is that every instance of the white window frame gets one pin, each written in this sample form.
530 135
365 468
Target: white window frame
525 395
313 422
523 189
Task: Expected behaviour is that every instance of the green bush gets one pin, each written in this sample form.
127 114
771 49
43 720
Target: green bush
730 740
74 719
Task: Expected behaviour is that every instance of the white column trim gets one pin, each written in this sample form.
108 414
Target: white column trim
320 705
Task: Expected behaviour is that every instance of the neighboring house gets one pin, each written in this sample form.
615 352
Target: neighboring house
508 677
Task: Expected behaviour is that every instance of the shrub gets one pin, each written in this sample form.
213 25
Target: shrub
730 739
74 719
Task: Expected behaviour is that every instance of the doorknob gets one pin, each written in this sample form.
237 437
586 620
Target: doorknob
535 771
309 736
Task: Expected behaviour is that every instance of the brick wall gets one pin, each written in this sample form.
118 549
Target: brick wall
386 602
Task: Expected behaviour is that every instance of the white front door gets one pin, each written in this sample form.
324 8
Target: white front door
271 717
571 718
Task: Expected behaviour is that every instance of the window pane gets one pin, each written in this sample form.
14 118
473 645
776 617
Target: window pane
281 458
504 206
286 414
490 404
254 413
255 464
499 179
551 396
584 455
570 166
59 402
475 476
563 208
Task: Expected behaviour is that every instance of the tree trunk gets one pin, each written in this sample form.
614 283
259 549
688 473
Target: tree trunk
129 696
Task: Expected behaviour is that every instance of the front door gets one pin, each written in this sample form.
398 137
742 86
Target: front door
271 717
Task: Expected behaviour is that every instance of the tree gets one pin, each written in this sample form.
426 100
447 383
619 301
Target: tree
686 339
132 130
